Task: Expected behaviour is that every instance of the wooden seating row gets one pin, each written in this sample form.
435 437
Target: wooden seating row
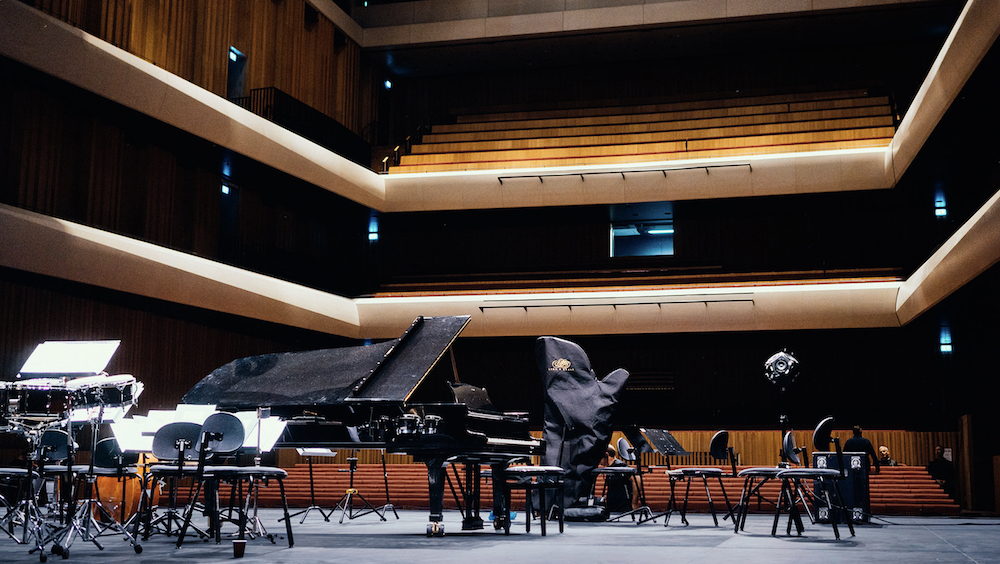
907 490
658 132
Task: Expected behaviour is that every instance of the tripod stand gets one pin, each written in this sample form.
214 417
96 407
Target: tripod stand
346 503
309 453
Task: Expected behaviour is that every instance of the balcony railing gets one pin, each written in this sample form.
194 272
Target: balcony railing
281 108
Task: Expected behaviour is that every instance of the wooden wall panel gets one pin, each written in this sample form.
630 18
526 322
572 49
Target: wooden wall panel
762 447
168 348
312 61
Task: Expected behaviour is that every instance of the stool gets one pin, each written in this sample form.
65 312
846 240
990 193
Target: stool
690 474
790 486
532 479
625 473
753 480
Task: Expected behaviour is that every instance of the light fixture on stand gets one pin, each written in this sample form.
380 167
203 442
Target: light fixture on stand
781 369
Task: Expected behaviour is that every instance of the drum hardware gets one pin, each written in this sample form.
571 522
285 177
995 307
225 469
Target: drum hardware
83 520
432 423
346 503
407 425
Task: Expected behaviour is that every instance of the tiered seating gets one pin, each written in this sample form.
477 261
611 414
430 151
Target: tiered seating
655 132
901 490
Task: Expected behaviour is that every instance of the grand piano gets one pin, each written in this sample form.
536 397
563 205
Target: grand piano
395 395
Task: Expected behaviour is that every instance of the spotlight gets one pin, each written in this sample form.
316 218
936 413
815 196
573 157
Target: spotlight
781 368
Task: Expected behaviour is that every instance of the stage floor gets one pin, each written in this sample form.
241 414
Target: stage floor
367 539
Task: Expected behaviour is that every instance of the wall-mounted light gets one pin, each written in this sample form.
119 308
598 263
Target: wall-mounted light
373 227
661 231
945 339
940 206
225 189
388 84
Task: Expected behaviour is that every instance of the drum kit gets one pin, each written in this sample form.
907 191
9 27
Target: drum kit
50 400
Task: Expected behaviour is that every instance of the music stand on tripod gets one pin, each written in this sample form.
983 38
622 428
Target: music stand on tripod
346 503
309 453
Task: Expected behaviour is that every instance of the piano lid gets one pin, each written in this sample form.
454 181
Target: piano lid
386 372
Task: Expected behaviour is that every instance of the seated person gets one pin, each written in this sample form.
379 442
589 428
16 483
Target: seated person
883 457
619 488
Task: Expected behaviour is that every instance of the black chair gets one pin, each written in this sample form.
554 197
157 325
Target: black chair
90 519
534 480
720 450
621 477
222 435
791 482
755 478
176 447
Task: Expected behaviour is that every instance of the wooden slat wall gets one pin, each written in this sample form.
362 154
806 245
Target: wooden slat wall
168 348
754 448
762 448
312 61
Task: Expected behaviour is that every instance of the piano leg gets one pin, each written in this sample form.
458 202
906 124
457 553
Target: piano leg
501 498
471 490
436 475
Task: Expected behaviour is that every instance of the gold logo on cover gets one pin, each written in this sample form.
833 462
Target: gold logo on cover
561 364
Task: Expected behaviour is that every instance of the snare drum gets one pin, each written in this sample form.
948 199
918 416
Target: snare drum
40 398
115 395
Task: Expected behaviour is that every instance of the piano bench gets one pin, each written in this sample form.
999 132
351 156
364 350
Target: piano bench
532 479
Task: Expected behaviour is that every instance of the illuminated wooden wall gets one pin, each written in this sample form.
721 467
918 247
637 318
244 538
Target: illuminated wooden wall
288 45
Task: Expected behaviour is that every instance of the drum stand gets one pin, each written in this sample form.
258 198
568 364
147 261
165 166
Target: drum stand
83 521
346 503
25 512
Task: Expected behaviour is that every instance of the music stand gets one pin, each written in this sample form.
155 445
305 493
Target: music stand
661 442
309 453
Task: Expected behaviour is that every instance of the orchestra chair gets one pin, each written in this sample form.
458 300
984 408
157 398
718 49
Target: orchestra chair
791 482
309 453
54 457
124 467
623 475
17 483
175 446
534 480
90 519
720 450
222 435
754 479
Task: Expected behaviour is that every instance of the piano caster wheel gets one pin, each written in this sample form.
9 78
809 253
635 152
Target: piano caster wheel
435 529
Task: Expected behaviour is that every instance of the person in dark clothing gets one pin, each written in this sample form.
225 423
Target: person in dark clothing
619 489
942 470
857 443
883 457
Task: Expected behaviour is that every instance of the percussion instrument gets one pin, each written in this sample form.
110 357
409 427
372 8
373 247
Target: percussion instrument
40 399
80 399
408 424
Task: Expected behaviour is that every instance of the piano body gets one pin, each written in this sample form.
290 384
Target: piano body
391 395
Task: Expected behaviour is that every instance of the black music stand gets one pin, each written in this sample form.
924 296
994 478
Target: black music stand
346 503
309 453
661 442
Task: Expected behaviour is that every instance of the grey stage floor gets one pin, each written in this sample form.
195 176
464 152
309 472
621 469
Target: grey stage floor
367 539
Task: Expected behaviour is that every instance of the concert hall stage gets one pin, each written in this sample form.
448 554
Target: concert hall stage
366 539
